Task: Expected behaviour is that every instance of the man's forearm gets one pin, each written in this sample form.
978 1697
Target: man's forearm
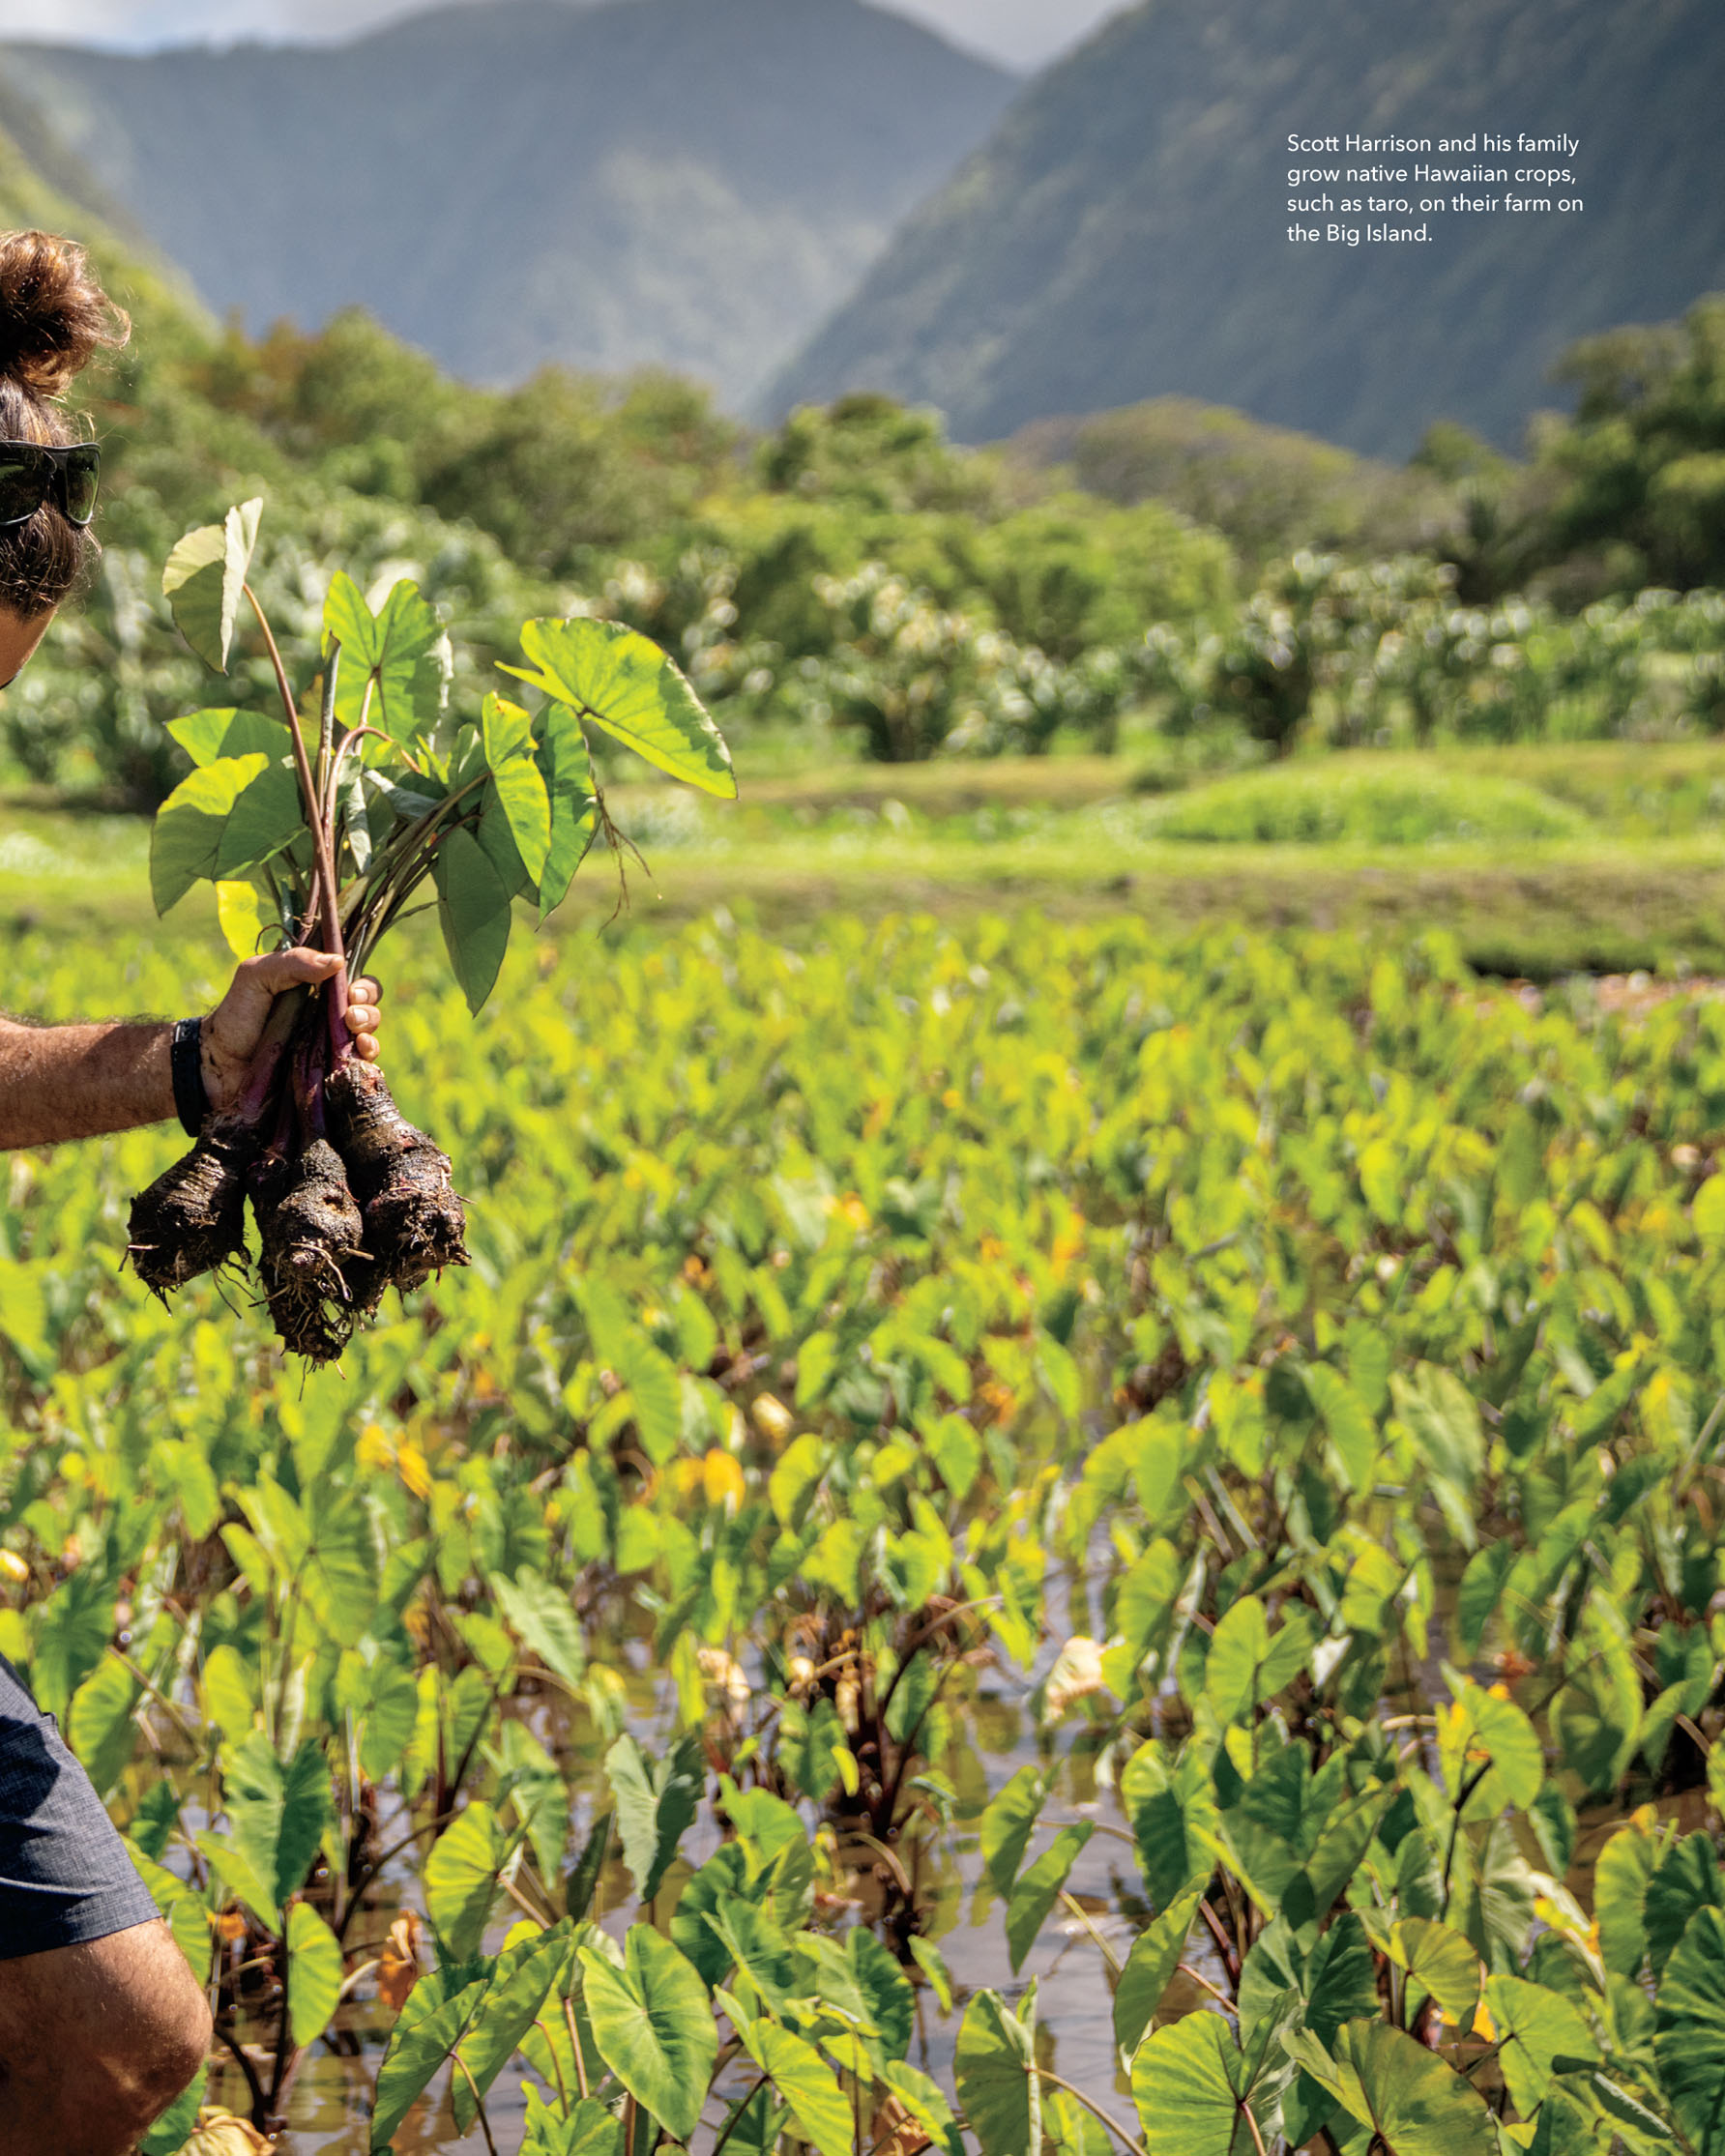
60 1082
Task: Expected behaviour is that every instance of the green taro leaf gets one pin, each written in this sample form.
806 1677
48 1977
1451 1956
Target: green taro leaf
1438 1958
1494 1729
1626 1863
427 2031
1443 1419
206 737
655 1395
1247 1663
1342 1841
755 1947
187 1913
813 1749
218 820
205 578
383 1700
1595 1719
1341 1979
1535 2026
654 2026
73 1629
920 2095
565 764
1150 1968
460 1879
402 650
1623 2103
929 1958
519 1985
247 916
473 907
625 683
1352 1428
1481 1590
520 787
656 1802
314 1974
1687 1880
820 2114
1008 1820
99 1725
1144 1612
1037 1891
543 1617
276 1815
995 2071
1406 2095
1173 1822
498 841
350 623
885 1986
506 730
1689 2032
586 2129
1192 2084
341 1571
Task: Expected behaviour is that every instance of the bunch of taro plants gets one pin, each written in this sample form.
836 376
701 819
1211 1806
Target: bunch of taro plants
321 830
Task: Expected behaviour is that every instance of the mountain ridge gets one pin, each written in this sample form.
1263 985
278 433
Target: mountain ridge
1121 234
639 182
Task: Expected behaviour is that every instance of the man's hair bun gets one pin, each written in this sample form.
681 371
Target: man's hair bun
53 314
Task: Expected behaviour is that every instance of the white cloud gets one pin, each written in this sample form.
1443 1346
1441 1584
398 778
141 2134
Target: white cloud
1020 33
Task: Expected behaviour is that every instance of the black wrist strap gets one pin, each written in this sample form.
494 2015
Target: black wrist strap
187 1062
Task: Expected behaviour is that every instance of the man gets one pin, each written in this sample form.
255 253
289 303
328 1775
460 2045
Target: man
101 2021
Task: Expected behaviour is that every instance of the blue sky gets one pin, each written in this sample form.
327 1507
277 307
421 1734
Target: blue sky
1020 33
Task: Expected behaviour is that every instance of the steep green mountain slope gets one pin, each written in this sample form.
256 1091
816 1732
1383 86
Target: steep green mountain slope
1124 233
664 181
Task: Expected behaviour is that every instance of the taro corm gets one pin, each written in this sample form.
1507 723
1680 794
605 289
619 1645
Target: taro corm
318 827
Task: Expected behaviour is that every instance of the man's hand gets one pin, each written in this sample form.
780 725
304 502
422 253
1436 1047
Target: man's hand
234 1028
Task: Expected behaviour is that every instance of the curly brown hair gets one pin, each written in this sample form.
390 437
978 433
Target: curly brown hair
55 316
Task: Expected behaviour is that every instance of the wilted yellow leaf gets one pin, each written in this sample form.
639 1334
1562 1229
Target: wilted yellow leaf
772 1418
374 1450
724 1674
398 1965
1076 1674
219 2132
411 1466
721 1474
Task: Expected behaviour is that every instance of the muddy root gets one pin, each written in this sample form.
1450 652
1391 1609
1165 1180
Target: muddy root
311 1231
192 1219
414 1222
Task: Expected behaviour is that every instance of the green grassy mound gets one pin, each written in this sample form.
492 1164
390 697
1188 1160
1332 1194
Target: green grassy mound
1340 803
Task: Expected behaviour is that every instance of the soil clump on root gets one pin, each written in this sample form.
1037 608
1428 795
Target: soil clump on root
310 1231
192 1219
414 1222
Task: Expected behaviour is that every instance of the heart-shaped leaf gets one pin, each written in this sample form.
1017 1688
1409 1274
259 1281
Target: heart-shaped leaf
995 2071
1037 1891
314 1974
654 2026
622 681
205 579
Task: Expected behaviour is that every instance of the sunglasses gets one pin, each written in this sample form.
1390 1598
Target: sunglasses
29 473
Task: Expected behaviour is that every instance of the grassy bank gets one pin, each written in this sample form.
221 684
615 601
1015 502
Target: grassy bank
1598 857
